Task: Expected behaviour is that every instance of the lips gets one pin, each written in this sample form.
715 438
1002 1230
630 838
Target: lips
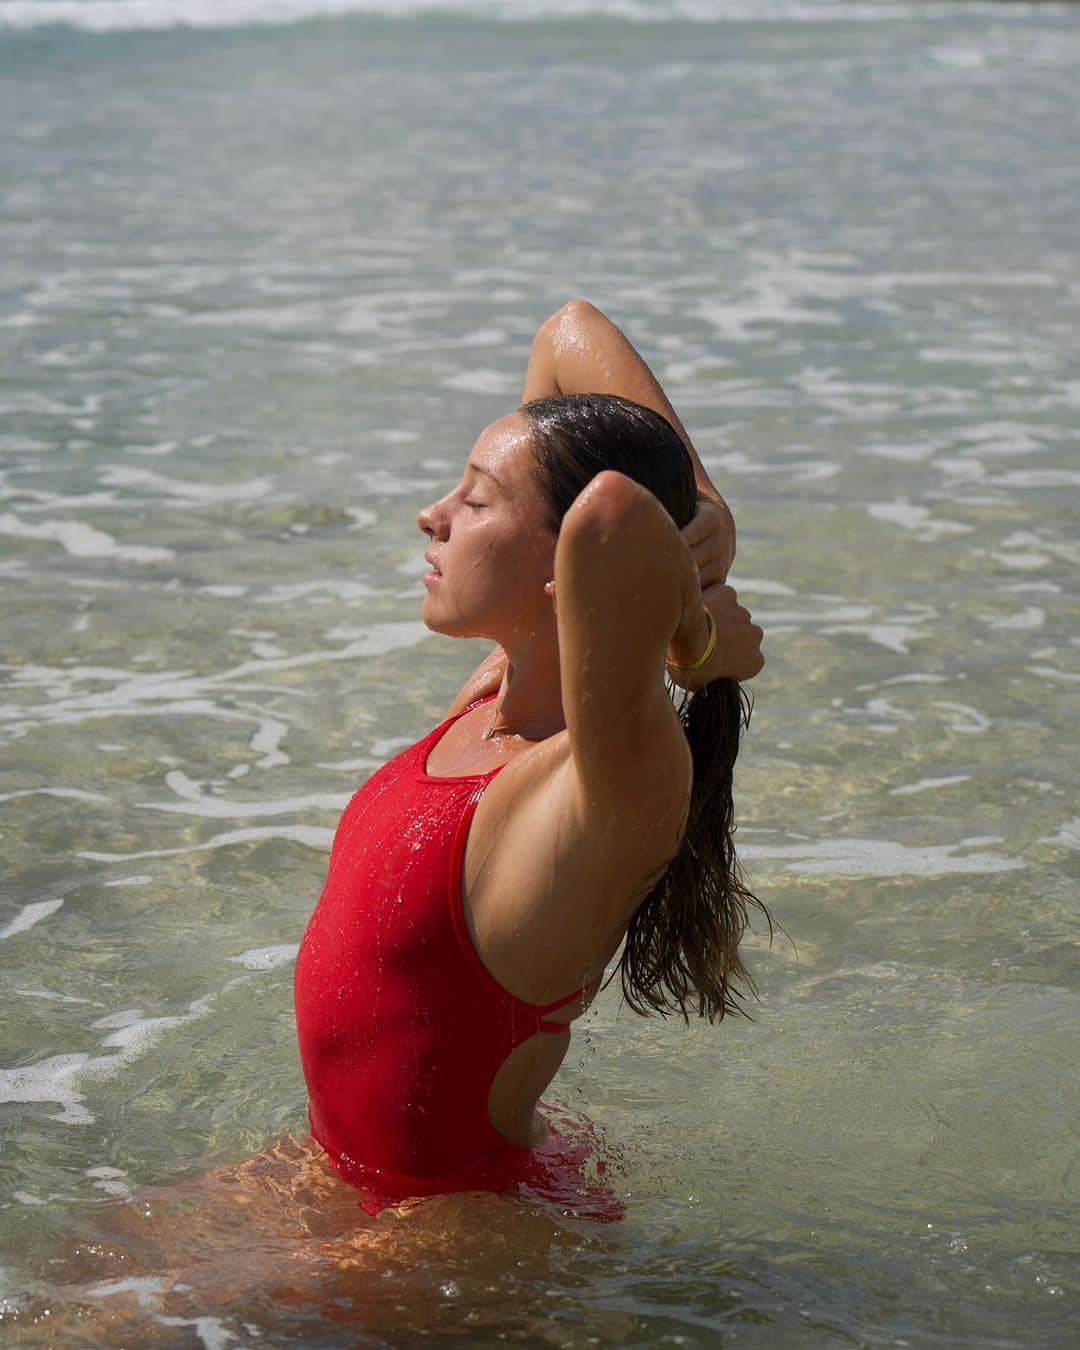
429 559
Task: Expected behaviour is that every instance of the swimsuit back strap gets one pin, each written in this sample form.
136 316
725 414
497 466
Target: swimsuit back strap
561 1003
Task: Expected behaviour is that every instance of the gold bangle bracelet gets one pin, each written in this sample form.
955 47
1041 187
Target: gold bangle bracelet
710 647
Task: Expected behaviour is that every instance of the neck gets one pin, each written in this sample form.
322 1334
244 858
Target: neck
529 700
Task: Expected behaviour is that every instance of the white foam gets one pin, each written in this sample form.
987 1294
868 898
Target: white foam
310 836
1031 616
157 449
146 1288
210 1330
884 707
126 1017
178 693
266 958
755 586
965 719
917 519
1050 673
123 475
349 765
911 452
61 1078
81 540
140 879
1068 835
1004 438
226 590
53 997
1023 562
194 802
928 784
879 858
28 916
76 794
891 632
914 677
52 1080
267 743
1038 478
482 381
1063 549
110 1180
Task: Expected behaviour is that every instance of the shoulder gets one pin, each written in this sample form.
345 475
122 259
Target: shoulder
542 849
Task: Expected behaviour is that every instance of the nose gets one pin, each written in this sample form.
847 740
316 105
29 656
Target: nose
429 518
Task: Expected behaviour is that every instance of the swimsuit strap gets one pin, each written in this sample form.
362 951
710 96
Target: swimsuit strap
486 698
561 1003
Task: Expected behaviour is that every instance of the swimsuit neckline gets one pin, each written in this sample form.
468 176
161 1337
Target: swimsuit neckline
428 744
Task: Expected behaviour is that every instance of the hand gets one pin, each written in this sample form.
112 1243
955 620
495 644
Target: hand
738 640
710 536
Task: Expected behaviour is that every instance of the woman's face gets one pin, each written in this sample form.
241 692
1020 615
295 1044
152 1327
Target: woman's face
489 547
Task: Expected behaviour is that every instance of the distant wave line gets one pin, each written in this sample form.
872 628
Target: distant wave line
104 16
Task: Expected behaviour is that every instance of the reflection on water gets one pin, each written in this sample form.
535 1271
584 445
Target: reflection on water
279 1239
304 270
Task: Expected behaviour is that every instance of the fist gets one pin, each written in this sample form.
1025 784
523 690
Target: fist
738 638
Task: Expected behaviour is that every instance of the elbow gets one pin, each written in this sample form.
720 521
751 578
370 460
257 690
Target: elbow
615 523
609 502
579 308
576 311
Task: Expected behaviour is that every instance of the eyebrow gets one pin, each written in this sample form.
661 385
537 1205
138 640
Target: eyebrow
479 468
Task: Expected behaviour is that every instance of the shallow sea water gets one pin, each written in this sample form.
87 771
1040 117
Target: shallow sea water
260 288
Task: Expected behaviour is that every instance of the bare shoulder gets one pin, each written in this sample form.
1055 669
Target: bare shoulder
547 876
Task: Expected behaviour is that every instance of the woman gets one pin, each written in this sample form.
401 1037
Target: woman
497 864
480 882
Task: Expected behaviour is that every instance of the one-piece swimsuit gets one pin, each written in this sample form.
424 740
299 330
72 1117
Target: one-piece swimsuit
401 1026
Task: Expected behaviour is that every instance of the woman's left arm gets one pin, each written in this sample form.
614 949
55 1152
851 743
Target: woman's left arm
580 351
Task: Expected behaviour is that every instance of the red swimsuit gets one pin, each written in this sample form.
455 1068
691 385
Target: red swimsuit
401 1026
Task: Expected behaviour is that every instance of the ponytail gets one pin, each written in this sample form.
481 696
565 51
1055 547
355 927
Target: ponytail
682 945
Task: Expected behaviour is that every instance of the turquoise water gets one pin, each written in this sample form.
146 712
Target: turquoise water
259 290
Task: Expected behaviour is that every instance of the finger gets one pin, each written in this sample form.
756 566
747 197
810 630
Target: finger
703 551
712 574
697 529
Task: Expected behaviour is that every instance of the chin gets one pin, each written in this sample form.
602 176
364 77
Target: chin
456 627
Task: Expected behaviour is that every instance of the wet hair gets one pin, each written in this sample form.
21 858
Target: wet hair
682 944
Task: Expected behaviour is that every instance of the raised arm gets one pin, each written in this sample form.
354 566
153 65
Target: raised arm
622 571
580 351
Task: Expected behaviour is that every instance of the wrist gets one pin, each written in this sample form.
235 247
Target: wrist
690 640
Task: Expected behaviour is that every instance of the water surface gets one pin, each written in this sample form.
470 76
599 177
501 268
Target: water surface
259 291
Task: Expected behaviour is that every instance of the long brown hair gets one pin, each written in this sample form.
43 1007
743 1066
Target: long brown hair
682 945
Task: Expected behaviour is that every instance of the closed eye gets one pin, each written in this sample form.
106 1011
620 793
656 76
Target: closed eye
468 503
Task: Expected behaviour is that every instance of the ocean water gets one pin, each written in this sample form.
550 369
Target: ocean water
266 269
